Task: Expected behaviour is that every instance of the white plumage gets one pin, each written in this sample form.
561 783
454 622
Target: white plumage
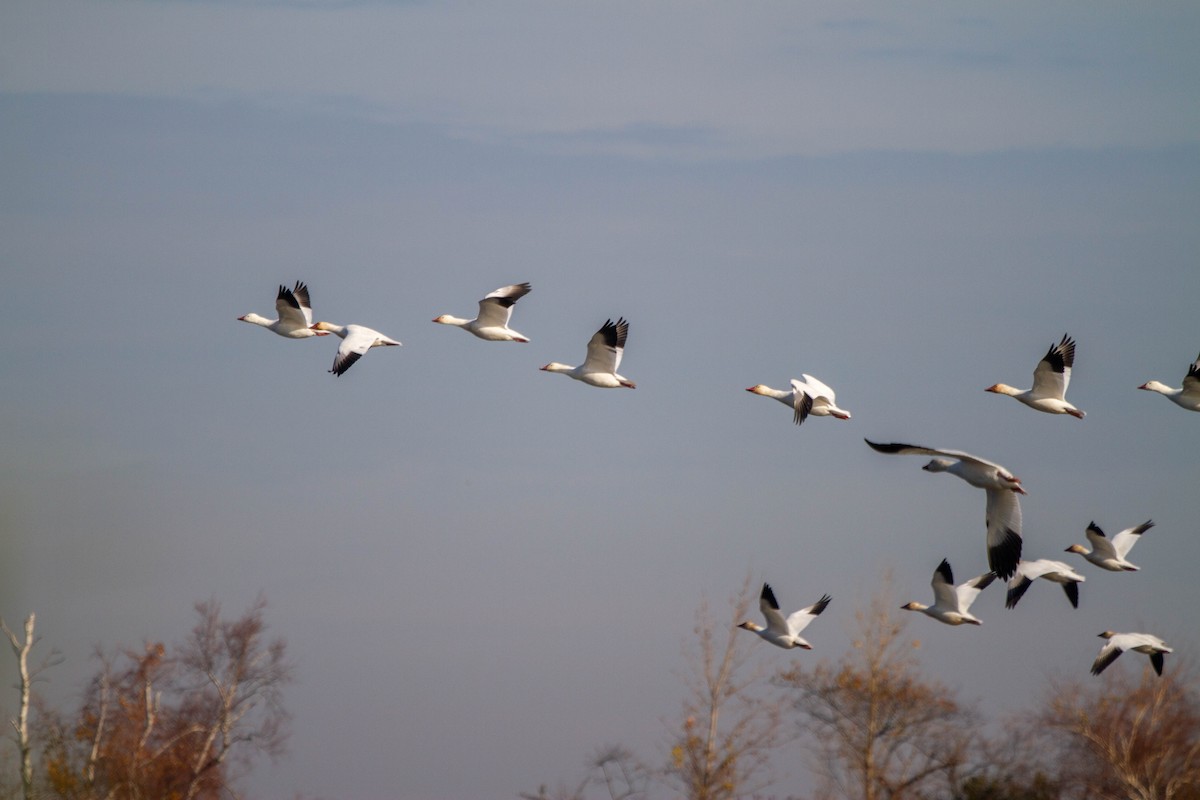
1110 554
495 311
951 604
1050 380
1002 515
780 631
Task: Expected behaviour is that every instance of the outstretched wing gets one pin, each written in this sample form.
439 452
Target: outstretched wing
606 346
1053 373
495 310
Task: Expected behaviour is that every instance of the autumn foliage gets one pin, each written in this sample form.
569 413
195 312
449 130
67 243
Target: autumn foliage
173 723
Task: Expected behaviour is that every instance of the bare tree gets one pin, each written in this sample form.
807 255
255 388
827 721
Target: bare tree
174 723
729 729
879 730
232 683
1117 737
614 767
27 675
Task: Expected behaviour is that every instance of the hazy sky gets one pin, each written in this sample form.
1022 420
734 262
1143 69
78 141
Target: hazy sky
485 572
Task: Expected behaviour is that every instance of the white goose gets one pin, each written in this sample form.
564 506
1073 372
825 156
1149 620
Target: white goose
1050 380
1137 642
809 396
495 310
1187 397
951 603
783 632
604 352
1055 571
295 314
1002 514
1110 555
356 341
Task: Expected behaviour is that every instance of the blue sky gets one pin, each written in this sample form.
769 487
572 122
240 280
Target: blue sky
907 203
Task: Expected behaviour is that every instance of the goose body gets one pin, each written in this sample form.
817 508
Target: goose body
1002 515
951 604
295 314
809 396
604 352
495 311
1186 397
784 631
1137 642
356 341
1054 571
1050 380
1111 554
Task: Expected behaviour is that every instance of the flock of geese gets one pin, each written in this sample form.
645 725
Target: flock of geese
811 397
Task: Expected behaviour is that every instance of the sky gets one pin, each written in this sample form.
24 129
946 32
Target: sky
485 572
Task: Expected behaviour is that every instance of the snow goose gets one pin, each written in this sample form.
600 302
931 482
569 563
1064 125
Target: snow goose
783 632
1137 642
950 602
356 341
809 396
604 353
1002 514
495 310
1189 396
1110 555
295 314
1050 380
1056 571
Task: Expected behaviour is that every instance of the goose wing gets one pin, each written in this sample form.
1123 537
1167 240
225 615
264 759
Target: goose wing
799 620
1124 541
1053 372
770 610
1191 381
495 309
355 344
898 448
1003 518
802 402
1100 543
944 595
606 346
819 389
1108 654
293 307
967 592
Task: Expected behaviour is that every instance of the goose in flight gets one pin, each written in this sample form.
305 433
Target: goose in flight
1137 642
783 632
1110 554
495 310
295 314
1056 571
1051 377
1002 514
356 341
951 603
809 396
604 352
1187 397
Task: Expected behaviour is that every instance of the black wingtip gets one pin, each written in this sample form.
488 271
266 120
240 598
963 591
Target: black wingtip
944 570
1156 660
1016 592
1072 591
769 596
820 605
803 409
894 447
1003 558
